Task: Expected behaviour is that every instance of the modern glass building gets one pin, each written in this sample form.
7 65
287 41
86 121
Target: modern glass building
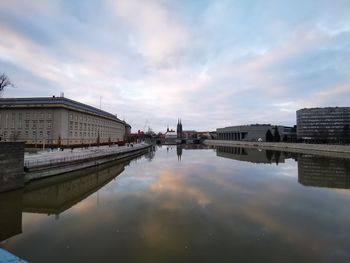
329 124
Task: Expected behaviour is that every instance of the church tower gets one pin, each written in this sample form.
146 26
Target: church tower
179 129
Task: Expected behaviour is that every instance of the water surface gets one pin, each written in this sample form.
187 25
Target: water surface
186 205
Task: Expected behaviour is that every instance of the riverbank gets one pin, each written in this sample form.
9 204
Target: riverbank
45 164
338 151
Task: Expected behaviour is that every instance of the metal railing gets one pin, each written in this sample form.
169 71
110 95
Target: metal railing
97 153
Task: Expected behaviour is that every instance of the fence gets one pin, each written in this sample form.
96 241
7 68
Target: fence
53 161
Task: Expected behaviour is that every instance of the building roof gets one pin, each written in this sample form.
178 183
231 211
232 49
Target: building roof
328 108
54 102
171 133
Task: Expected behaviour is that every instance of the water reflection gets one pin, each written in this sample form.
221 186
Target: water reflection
252 155
53 195
57 194
11 214
202 209
324 172
312 170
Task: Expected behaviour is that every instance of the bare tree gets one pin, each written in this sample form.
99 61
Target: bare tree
4 82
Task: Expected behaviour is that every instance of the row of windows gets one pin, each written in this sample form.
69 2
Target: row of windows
27 124
91 127
19 134
27 115
321 127
92 134
88 119
309 120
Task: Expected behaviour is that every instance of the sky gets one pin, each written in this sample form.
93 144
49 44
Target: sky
212 63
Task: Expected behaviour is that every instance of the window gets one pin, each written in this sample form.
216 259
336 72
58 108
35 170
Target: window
7 121
20 121
41 133
34 124
71 117
49 116
49 124
41 124
26 123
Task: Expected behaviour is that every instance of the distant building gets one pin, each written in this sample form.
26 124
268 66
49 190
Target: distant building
190 134
58 121
254 132
170 137
127 131
329 124
179 130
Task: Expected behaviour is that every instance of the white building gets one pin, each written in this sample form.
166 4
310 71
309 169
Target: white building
58 121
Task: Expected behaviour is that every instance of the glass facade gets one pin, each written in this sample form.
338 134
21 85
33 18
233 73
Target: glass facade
324 124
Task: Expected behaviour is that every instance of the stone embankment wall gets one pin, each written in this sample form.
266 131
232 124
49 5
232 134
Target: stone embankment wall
62 165
323 149
11 165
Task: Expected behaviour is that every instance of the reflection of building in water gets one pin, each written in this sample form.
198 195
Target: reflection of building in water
10 214
324 171
58 193
179 152
150 155
251 155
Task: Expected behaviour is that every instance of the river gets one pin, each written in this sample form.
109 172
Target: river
186 204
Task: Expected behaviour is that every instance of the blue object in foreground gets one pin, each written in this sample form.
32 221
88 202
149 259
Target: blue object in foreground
7 257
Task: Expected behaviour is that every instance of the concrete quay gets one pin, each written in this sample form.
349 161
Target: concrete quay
328 150
11 165
49 163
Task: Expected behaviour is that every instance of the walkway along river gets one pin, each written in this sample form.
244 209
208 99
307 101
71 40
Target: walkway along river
49 163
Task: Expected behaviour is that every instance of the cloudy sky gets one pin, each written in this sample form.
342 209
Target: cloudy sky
211 63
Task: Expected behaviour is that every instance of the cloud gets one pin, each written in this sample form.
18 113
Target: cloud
155 31
211 63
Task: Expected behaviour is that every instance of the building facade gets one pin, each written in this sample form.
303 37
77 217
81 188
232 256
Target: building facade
179 129
58 121
254 132
329 124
